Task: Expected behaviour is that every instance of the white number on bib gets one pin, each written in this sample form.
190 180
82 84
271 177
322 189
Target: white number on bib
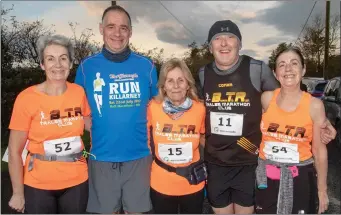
63 146
228 124
282 152
177 153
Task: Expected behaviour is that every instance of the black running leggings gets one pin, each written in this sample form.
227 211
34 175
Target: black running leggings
187 204
72 200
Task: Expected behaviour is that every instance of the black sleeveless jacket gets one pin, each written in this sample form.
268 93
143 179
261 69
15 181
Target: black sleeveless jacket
230 98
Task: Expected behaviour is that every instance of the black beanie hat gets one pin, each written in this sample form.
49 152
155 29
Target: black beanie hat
224 27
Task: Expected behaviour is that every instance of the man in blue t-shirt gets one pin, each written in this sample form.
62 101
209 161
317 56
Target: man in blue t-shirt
119 84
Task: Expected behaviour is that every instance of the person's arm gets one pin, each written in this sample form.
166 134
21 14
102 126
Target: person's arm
153 84
202 127
19 126
86 111
202 138
149 127
319 151
328 132
201 74
79 79
200 84
268 79
87 123
17 140
265 100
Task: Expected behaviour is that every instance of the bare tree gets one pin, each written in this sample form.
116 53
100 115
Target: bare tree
155 54
313 41
83 44
21 38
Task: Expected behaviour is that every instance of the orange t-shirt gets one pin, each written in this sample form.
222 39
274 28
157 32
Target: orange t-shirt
46 118
286 133
176 142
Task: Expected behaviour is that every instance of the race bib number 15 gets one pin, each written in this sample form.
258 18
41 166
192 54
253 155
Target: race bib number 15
228 124
177 153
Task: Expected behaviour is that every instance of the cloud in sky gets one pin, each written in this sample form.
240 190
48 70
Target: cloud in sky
272 41
250 52
193 15
289 17
263 24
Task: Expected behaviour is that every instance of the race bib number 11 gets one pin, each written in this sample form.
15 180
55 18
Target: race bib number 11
228 124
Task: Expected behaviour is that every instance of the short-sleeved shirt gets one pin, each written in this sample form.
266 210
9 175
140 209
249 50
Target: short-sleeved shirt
47 118
118 95
176 143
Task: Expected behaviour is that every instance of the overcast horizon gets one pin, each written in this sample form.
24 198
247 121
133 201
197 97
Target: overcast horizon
263 24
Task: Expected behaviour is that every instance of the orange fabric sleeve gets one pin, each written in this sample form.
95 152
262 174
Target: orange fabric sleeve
21 116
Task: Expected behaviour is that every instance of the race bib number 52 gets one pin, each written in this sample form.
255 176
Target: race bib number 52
228 124
63 146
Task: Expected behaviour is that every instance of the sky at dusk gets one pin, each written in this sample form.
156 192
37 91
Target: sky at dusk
263 24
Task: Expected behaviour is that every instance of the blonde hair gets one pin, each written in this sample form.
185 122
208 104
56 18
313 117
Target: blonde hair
167 67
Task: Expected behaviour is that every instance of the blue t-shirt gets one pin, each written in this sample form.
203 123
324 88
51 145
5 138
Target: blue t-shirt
118 95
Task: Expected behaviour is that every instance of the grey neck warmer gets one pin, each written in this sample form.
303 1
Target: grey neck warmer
228 71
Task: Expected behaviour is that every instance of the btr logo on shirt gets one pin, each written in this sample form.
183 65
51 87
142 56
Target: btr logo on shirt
61 117
230 97
274 127
227 100
176 132
179 129
70 112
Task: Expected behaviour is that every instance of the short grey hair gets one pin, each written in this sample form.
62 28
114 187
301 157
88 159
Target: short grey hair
45 41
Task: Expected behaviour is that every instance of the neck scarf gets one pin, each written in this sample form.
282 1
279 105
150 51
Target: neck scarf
176 111
116 57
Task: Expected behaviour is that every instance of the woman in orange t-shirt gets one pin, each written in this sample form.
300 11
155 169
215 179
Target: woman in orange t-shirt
176 129
49 116
291 151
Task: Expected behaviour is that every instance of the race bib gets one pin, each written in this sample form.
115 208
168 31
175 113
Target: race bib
63 146
176 153
228 124
281 152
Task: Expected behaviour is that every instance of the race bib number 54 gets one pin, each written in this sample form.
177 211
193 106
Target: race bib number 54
63 146
228 124
281 152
